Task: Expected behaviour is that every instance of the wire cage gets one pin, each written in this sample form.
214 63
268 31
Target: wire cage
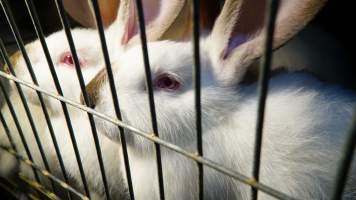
63 184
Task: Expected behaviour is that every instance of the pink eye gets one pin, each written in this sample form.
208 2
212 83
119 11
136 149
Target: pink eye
167 82
68 59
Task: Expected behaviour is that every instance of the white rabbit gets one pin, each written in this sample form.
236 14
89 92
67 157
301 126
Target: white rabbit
89 53
305 128
306 124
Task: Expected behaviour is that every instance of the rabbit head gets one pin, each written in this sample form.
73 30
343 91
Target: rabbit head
226 55
90 58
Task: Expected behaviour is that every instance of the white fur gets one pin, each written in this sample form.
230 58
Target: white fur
89 51
305 128
111 153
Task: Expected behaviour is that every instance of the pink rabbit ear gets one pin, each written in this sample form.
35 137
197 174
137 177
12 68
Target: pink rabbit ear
162 18
237 37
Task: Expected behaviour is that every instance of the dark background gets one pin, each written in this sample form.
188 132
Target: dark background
338 19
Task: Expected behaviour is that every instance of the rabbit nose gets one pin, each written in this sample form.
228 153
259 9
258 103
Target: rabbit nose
93 89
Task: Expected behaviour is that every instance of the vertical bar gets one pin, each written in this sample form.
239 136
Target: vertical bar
66 113
345 161
7 131
141 20
18 126
44 173
271 14
197 89
113 94
37 25
66 27
14 29
23 99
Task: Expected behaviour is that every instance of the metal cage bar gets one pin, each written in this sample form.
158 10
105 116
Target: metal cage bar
39 188
271 13
65 24
18 126
37 26
113 95
7 131
132 130
345 161
44 173
9 187
197 89
13 147
141 20
21 46
9 190
265 66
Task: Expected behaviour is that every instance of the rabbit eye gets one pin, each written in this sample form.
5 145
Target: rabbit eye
68 59
167 82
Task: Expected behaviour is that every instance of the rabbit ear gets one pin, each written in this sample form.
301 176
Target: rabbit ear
82 11
162 18
237 37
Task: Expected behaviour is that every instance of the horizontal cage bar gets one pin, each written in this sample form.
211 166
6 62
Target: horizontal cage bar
44 172
198 157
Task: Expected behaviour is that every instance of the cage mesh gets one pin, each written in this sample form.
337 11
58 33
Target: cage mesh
198 157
